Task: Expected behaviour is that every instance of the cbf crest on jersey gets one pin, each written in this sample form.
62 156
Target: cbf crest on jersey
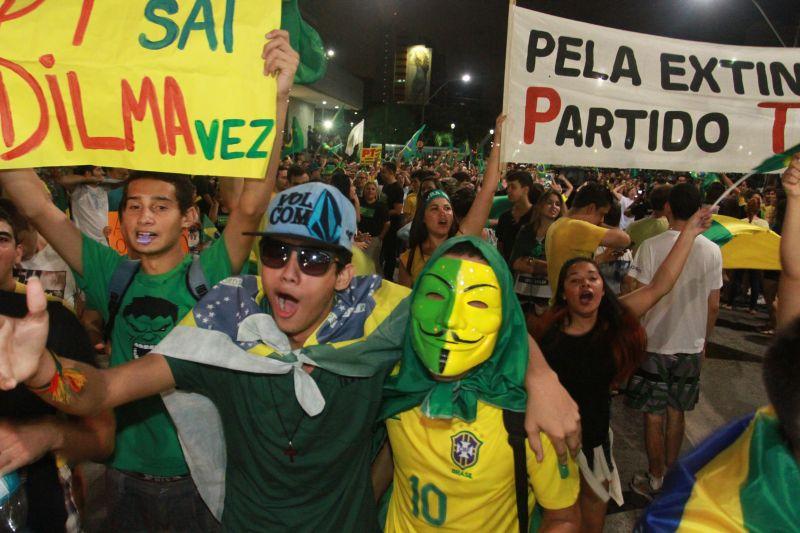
464 448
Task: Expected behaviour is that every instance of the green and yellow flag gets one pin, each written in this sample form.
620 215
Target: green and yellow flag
742 478
307 42
410 148
745 245
296 143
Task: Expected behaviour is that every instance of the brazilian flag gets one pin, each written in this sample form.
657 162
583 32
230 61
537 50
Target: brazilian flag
296 142
745 245
742 478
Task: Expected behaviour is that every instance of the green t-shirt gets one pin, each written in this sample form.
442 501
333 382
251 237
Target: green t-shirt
529 285
643 229
146 439
329 479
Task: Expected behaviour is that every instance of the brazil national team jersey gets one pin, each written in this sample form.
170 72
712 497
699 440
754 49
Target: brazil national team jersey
453 475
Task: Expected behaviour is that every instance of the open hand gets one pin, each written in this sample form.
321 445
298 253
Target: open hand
280 60
22 340
552 410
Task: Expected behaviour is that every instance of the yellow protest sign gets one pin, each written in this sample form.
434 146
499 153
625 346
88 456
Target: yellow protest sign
370 155
153 84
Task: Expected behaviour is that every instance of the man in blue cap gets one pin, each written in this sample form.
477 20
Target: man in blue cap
289 367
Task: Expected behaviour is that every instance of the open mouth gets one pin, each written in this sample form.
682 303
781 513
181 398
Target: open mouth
287 305
586 297
140 350
145 237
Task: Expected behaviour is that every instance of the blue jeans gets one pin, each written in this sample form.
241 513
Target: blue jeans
136 504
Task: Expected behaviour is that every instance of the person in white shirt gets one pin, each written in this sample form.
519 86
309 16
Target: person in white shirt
89 201
668 382
626 199
51 269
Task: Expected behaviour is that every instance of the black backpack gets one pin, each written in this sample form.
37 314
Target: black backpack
123 276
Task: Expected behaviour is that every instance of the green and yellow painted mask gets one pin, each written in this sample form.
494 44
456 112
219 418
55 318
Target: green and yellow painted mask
456 314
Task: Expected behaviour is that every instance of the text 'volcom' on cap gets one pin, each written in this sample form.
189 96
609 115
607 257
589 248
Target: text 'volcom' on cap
313 211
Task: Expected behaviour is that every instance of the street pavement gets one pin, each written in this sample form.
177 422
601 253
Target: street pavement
731 387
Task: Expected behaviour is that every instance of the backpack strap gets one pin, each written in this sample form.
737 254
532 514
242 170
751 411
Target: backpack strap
196 279
514 423
118 285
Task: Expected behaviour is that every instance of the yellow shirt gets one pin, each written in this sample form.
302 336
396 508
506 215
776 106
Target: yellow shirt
451 475
417 264
567 238
410 206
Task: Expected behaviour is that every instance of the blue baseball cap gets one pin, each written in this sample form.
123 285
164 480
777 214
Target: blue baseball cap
313 212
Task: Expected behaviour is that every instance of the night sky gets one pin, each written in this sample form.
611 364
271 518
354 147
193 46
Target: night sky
470 35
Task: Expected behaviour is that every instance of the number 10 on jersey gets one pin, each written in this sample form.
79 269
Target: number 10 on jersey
422 498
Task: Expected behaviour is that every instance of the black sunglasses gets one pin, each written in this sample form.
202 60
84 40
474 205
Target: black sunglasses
312 261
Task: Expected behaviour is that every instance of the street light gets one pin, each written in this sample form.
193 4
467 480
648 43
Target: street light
452 125
331 52
491 131
465 78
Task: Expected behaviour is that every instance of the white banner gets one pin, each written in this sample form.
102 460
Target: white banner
585 95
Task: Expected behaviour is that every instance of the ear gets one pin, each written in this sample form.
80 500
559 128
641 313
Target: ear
344 277
18 254
667 210
190 217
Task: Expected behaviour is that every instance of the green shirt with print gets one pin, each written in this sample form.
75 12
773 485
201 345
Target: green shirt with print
146 439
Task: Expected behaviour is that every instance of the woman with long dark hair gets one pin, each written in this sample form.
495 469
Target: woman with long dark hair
528 260
594 342
434 221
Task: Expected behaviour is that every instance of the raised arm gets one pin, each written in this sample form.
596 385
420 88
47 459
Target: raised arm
642 299
71 386
29 194
478 214
71 180
567 185
281 61
789 285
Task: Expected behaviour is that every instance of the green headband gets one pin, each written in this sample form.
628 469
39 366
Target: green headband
434 194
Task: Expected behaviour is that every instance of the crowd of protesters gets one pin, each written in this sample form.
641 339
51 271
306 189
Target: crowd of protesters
606 268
